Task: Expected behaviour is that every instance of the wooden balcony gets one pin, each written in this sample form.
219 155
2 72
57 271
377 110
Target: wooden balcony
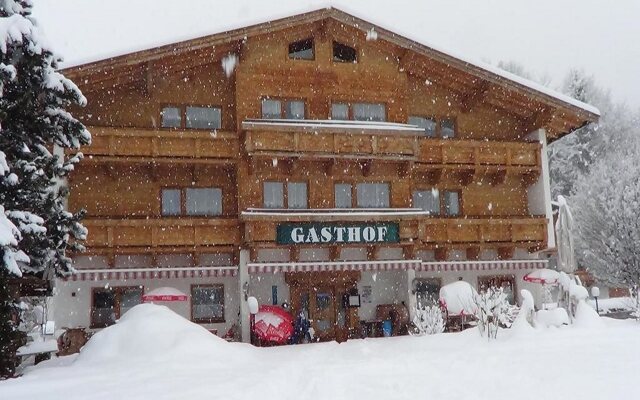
414 229
149 145
322 140
159 232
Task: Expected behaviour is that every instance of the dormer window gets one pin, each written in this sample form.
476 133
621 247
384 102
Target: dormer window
344 53
301 50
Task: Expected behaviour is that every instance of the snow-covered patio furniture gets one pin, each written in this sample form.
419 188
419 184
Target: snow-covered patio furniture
273 325
546 277
457 300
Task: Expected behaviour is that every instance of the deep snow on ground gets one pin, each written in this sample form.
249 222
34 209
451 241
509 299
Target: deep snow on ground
154 354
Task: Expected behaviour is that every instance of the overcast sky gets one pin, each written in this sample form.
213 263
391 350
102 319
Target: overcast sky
546 36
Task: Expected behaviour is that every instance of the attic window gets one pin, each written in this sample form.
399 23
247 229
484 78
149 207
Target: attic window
301 50
344 53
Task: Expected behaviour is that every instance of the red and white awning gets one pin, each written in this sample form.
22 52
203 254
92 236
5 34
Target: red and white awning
332 266
152 273
499 265
164 294
394 265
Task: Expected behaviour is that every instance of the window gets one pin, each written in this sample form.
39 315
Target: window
359 111
344 53
297 195
294 109
204 117
428 124
108 305
340 111
203 201
301 50
447 128
451 203
207 303
507 282
171 202
427 291
369 112
273 109
372 195
171 117
191 201
343 195
196 117
274 195
427 200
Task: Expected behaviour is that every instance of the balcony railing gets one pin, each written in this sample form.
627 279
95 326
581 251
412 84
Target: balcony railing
415 227
338 139
162 232
148 144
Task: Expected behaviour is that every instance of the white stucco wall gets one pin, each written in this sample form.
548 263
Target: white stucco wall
387 287
260 287
69 310
539 194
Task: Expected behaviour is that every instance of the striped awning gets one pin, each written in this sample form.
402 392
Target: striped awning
500 265
332 266
394 265
152 273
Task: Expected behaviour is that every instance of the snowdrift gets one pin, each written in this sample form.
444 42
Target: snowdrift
153 332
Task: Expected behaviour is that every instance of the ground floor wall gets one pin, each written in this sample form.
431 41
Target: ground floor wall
72 301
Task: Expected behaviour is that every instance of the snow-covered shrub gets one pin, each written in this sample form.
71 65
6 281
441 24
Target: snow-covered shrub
428 320
493 311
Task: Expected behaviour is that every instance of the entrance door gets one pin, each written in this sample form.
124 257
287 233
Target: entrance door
323 312
319 296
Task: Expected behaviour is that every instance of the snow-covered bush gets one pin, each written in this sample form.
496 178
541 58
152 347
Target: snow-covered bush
428 320
493 311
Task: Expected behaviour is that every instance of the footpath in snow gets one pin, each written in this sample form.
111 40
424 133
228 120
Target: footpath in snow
154 354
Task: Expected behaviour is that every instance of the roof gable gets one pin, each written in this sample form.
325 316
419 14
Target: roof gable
475 81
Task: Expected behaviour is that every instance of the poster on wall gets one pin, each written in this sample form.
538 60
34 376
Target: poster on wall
366 294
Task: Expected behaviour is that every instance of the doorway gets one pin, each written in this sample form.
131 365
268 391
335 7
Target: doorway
319 295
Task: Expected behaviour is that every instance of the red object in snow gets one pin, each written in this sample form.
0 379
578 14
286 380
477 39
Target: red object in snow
164 294
273 324
543 276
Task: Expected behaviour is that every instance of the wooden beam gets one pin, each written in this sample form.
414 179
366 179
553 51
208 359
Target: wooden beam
473 253
441 253
365 166
539 119
477 96
506 252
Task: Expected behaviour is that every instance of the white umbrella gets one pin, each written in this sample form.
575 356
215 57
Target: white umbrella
164 294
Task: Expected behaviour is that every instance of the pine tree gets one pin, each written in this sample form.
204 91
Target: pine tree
35 131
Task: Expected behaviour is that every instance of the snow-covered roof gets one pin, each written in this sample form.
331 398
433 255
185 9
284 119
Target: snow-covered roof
375 31
327 124
334 212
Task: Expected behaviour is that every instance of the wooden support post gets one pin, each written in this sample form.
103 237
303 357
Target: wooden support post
441 254
334 253
473 253
505 253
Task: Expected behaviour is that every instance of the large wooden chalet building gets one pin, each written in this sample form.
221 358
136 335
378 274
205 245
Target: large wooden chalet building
307 160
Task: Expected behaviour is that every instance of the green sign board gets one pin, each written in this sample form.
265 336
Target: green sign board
333 233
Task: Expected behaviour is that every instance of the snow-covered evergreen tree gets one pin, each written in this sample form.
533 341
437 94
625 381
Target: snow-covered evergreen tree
428 320
607 218
35 129
572 156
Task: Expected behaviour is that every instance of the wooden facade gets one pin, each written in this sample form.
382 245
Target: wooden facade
490 161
